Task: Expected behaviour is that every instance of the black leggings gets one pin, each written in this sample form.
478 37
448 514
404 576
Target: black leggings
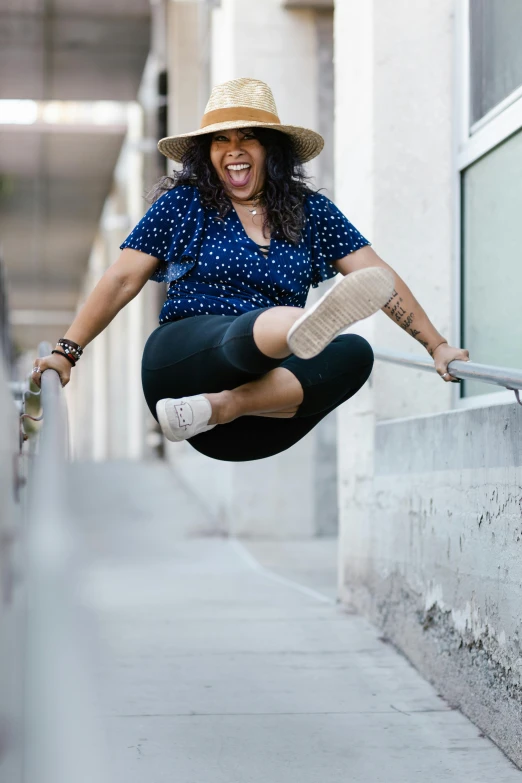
211 353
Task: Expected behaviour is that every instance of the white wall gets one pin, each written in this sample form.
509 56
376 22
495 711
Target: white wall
413 176
394 167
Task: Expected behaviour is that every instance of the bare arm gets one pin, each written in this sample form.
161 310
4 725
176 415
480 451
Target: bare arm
404 310
118 286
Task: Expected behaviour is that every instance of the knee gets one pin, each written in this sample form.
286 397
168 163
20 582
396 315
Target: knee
359 352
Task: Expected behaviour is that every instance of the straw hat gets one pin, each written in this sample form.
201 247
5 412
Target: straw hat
243 103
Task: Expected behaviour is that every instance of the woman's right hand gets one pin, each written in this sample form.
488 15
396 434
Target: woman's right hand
52 362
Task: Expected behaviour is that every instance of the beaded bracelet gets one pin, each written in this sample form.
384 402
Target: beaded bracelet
69 352
71 343
69 358
71 348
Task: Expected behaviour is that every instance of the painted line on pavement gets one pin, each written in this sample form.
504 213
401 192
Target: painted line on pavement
250 560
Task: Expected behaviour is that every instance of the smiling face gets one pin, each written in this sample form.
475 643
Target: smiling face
239 160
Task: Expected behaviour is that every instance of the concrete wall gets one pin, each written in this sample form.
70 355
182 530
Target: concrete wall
432 554
430 505
394 167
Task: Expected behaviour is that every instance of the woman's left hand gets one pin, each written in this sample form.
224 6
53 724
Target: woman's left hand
443 355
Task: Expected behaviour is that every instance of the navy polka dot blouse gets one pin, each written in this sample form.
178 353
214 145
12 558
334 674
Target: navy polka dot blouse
213 267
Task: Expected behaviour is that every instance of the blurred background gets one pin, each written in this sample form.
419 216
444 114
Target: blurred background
420 105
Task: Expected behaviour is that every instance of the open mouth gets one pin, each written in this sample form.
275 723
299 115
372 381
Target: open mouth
238 174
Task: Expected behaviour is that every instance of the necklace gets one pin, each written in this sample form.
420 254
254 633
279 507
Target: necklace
255 204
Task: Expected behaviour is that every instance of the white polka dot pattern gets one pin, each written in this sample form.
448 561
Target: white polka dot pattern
214 267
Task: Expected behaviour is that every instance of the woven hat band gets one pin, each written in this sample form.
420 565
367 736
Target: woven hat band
235 113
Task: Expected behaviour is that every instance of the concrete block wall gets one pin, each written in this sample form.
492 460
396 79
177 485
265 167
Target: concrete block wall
432 541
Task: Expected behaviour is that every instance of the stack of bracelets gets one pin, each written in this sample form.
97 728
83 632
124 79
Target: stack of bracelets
71 350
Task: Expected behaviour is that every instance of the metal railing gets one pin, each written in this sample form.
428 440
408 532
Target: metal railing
62 738
506 377
5 340
12 600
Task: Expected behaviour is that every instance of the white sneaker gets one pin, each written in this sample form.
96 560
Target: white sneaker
356 296
184 417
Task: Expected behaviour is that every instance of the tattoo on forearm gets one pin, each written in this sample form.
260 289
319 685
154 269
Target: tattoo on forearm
390 300
416 334
408 321
397 311
394 306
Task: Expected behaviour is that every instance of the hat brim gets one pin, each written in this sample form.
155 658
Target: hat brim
307 143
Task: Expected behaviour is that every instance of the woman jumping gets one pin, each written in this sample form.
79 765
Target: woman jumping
237 366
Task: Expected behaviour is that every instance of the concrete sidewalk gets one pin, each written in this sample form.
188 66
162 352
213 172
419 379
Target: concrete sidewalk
219 671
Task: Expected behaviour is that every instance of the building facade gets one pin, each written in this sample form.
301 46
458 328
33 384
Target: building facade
427 161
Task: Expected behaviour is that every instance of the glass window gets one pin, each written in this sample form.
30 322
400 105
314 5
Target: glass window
492 260
496 52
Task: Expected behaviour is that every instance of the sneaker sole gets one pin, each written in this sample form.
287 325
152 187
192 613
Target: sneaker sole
357 296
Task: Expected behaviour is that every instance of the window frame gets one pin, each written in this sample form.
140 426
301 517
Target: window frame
472 142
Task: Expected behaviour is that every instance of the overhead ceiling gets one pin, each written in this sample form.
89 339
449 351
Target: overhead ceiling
72 49
53 181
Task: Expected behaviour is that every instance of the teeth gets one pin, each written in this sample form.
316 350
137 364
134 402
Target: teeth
238 166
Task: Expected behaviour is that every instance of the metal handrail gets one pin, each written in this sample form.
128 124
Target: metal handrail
12 601
63 741
507 377
6 347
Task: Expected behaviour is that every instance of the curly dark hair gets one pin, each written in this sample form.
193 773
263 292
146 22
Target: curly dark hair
285 189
